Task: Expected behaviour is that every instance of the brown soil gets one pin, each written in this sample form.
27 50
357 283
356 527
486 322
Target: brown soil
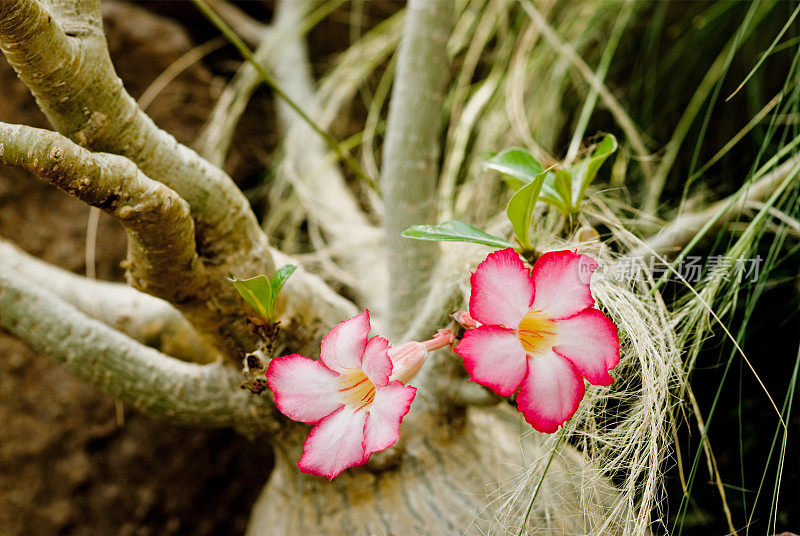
67 465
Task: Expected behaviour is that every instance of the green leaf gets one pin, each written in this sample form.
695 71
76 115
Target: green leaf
518 165
455 231
520 209
556 191
278 280
584 171
257 292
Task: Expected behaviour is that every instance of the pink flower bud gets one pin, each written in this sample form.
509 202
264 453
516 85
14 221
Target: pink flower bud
443 337
465 320
407 360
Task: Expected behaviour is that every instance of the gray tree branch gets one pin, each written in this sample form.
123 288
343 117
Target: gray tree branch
61 54
161 254
57 50
158 385
147 319
411 152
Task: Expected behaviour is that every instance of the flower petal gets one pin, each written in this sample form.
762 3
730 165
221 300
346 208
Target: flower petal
589 339
550 393
344 346
376 363
561 283
494 357
407 360
335 444
305 390
391 404
502 290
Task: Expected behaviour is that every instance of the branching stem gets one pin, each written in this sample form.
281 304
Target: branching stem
160 386
411 152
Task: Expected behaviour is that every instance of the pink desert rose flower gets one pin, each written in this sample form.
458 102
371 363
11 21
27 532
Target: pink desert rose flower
538 333
348 394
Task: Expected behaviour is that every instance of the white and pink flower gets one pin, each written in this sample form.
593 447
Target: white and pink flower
350 394
538 333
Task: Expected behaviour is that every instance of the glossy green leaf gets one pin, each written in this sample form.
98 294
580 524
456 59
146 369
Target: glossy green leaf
556 191
257 292
518 165
279 278
584 171
520 209
455 231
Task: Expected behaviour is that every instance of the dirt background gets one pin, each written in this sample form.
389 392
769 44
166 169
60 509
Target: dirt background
67 464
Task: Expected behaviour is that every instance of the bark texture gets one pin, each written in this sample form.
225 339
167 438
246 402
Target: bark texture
149 320
103 117
158 385
411 153
160 229
226 239
447 480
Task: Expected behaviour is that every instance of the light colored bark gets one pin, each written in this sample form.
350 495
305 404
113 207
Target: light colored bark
162 260
158 385
60 48
102 116
147 319
411 153
161 254
446 481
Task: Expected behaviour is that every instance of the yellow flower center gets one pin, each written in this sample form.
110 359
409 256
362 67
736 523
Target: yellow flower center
536 332
358 390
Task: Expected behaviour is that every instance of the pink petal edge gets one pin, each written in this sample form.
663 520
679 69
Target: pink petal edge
561 283
502 290
343 347
335 444
376 363
494 357
305 390
551 392
590 341
391 404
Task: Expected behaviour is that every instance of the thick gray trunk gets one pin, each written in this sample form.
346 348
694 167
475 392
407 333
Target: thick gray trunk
448 481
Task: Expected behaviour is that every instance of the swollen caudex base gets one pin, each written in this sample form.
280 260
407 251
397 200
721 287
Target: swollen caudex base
445 483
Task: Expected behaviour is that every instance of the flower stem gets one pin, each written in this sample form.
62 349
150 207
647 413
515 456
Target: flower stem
544 473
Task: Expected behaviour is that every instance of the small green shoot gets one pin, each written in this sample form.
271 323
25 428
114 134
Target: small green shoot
261 292
584 171
562 189
520 209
